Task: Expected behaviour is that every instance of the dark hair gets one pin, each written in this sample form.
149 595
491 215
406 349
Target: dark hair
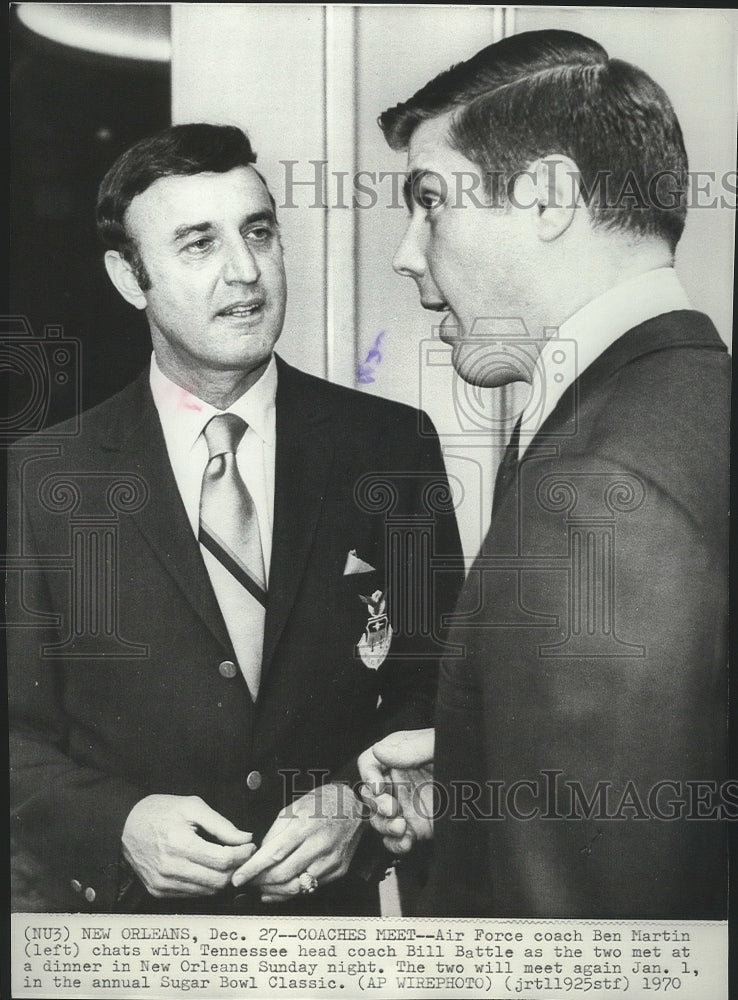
180 150
546 92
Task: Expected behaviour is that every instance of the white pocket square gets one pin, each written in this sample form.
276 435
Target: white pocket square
356 565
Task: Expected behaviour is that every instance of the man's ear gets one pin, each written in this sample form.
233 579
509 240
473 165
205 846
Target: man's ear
551 186
121 274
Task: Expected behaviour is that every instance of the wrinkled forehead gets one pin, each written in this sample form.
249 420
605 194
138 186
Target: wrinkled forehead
181 198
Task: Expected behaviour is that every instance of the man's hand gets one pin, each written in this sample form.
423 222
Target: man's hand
398 787
317 833
162 842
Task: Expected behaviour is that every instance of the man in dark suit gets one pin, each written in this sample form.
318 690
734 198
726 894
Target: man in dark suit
203 599
580 741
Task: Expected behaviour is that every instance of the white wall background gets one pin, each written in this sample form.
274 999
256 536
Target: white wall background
308 81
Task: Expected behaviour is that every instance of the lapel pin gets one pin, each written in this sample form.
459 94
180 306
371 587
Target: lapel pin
374 644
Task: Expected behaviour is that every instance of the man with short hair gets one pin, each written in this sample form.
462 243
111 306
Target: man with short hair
205 678
590 700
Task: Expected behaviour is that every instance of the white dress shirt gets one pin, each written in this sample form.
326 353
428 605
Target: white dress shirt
589 332
183 417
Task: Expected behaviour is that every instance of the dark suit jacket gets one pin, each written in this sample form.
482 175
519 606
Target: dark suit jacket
594 623
120 695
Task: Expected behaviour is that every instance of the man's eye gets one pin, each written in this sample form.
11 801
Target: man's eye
261 234
198 246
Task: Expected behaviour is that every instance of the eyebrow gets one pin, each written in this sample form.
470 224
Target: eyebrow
189 229
181 232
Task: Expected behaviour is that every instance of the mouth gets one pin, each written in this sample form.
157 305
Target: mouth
243 309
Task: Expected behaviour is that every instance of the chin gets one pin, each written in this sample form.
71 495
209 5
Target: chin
480 366
253 349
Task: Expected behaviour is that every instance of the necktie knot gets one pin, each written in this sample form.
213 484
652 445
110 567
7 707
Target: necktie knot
223 434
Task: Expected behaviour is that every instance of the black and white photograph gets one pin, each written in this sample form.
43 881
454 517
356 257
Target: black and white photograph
367 448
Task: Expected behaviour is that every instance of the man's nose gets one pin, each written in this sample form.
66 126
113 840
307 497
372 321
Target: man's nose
241 264
409 259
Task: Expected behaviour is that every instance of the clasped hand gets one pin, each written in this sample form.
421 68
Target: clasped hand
163 842
318 833
179 846
397 776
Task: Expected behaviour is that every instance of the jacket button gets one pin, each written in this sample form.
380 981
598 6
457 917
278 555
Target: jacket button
90 894
77 886
228 668
253 781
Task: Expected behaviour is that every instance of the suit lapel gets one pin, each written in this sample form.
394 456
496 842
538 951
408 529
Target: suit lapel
681 328
163 520
304 455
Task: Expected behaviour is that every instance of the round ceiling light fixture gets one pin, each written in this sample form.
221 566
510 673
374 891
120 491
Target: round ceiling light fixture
126 31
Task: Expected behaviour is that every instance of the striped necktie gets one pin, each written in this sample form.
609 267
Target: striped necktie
229 531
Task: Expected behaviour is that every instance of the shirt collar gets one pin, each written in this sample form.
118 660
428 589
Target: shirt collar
184 415
589 332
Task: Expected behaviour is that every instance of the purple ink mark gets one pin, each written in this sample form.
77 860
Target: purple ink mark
367 369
